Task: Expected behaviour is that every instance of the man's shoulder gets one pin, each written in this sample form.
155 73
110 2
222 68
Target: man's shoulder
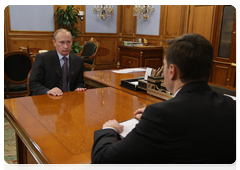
74 56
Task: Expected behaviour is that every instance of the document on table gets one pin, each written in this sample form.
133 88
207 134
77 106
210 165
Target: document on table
128 126
129 70
233 97
148 73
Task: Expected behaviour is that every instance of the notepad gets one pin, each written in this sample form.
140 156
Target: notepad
128 126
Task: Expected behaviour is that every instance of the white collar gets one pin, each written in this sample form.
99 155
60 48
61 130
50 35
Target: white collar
60 56
177 92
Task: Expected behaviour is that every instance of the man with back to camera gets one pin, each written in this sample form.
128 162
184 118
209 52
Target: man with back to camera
47 77
197 126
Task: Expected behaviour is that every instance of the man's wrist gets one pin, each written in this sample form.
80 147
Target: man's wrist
109 128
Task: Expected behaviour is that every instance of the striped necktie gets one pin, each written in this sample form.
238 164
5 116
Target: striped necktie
65 75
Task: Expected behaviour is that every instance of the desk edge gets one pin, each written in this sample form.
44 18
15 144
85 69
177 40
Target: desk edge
30 144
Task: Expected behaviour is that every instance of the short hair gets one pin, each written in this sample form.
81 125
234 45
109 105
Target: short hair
193 56
60 30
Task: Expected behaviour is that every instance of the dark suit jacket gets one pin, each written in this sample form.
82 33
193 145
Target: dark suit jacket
47 73
197 126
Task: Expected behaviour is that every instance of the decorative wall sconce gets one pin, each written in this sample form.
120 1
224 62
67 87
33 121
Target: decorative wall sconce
103 11
143 11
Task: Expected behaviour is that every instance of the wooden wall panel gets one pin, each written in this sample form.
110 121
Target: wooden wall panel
232 80
220 74
165 45
111 45
236 79
201 20
172 21
154 63
155 42
43 43
128 26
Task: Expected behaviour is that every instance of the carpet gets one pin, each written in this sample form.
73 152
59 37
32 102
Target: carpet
10 153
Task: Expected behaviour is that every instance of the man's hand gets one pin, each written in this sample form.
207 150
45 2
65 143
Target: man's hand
80 89
114 124
55 91
138 113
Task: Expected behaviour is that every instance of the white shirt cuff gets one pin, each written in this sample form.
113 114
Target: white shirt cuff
108 128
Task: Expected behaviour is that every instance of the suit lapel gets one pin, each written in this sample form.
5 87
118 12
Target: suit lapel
56 63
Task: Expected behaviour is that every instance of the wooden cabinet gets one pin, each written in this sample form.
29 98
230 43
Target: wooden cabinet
146 56
224 62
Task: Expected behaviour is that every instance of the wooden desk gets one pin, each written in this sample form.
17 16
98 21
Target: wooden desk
107 78
141 56
60 130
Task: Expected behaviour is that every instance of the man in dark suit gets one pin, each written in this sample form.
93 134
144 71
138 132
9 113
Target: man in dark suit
197 126
47 75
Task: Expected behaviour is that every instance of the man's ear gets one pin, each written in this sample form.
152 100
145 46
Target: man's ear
173 71
54 42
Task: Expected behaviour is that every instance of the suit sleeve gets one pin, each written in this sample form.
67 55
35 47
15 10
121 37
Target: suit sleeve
36 80
138 145
80 82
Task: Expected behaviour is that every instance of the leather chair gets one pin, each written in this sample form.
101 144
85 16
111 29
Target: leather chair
16 69
223 90
88 53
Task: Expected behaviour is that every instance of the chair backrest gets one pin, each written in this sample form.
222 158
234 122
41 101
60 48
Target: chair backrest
88 53
16 69
17 66
223 90
89 49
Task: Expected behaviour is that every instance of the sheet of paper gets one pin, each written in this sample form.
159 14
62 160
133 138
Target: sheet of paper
148 73
128 126
233 97
134 83
129 70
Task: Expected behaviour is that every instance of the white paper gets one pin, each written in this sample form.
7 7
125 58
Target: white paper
148 73
129 70
135 83
233 97
128 126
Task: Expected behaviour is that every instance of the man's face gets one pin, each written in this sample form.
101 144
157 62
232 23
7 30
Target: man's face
167 77
63 43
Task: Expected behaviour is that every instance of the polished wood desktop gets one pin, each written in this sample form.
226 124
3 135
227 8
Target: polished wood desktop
60 130
107 78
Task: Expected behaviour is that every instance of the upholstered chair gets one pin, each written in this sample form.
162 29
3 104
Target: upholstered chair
88 53
16 69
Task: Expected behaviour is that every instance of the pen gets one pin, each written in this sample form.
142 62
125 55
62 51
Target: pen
157 71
